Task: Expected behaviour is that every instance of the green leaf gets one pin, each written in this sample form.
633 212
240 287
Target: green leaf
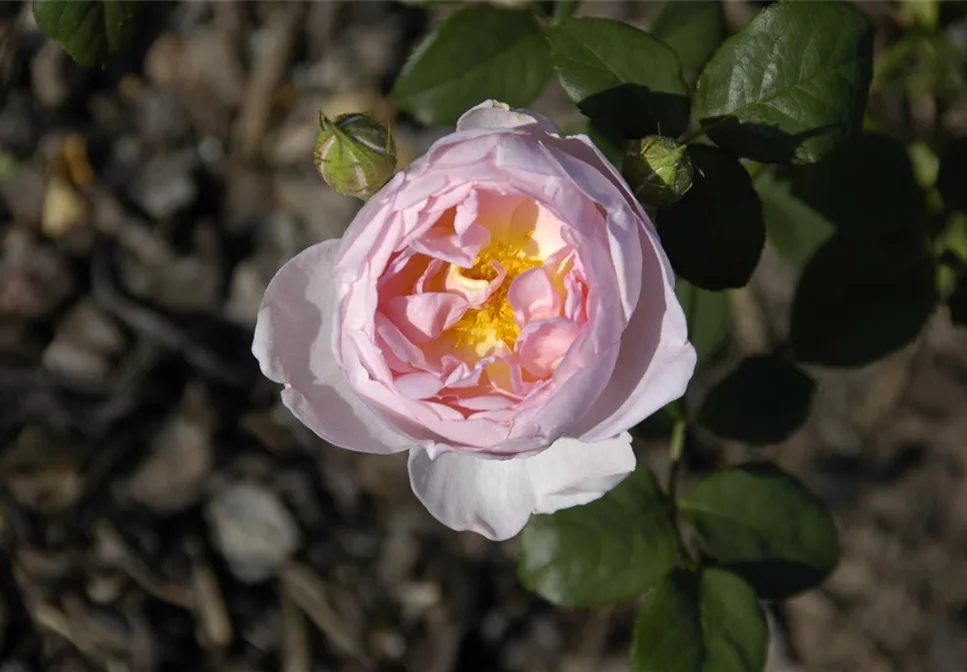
764 525
791 84
693 29
866 186
609 550
710 622
793 228
860 300
708 317
952 180
715 234
480 52
621 77
763 401
92 31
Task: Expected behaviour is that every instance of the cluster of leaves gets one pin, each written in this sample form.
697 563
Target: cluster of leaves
761 535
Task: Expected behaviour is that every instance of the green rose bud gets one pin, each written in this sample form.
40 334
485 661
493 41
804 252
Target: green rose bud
658 169
354 154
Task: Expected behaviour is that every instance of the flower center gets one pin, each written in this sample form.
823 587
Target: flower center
482 328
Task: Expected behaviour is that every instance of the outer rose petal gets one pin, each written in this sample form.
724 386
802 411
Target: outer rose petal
655 361
293 343
495 498
492 114
571 472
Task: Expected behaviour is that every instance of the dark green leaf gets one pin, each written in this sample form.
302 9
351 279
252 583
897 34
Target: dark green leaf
864 187
860 300
764 525
952 180
621 77
794 229
700 623
762 401
715 234
609 550
693 29
791 84
708 317
92 31
480 52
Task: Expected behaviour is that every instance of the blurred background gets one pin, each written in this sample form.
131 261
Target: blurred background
159 509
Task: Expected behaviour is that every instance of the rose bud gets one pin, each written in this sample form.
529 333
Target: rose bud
502 309
354 154
659 170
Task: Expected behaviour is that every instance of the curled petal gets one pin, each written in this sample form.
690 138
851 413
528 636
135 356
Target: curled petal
293 344
492 114
418 385
495 498
572 473
475 291
542 345
423 317
455 238
490 497
655 361
534 296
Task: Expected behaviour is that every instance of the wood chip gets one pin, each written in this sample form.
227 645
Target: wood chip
308 591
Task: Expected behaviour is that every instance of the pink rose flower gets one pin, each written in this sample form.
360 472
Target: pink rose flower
502 309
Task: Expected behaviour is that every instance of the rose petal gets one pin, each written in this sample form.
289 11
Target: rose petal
622 222
496 213
655 361
492 114
476 292
533 296
453 239
576 303
495 498
490 497
542 345
423 317
484 403
572 473
418 385
293 344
